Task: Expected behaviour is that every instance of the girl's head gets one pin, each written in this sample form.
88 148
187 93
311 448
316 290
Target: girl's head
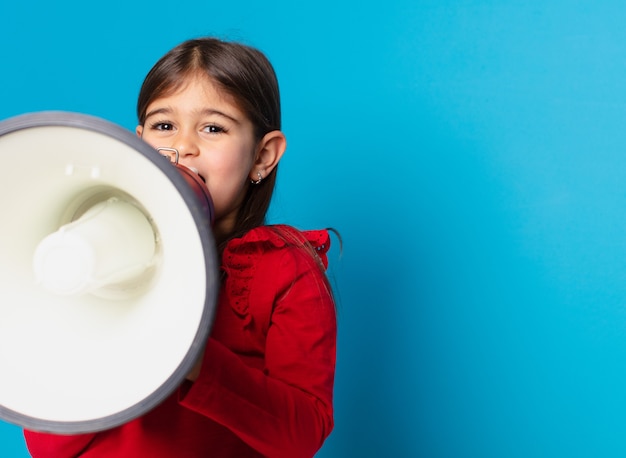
218 104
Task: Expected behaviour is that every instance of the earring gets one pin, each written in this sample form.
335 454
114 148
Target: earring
259 180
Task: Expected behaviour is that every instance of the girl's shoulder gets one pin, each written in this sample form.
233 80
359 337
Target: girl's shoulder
265 262
271 240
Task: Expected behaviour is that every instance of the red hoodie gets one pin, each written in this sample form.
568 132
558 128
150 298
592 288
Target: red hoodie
266 383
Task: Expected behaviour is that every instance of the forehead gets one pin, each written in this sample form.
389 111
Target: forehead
195 98
195 92
199 87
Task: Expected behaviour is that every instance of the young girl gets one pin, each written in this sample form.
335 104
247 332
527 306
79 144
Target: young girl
264 384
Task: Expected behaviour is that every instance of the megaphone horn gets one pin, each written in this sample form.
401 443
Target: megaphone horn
101 238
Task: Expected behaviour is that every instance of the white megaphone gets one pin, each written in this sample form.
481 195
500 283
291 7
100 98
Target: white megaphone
108 273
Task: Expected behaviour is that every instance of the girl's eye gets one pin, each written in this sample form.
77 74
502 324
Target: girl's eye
214 129
166 126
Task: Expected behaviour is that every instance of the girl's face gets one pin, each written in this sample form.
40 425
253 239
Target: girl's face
213 136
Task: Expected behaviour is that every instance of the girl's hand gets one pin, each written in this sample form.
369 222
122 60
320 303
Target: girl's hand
195 371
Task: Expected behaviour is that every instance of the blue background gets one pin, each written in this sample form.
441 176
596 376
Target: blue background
471 153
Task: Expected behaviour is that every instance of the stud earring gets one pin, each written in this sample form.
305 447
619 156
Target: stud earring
259 180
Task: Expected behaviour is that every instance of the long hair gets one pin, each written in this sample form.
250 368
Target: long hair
245 74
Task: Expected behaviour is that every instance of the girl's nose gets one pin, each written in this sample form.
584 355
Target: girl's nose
186 145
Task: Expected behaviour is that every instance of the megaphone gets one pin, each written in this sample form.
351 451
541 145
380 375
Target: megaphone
108 273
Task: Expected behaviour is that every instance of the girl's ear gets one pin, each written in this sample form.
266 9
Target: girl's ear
139 130
269 151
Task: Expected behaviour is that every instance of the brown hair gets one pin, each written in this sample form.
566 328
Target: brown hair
246 75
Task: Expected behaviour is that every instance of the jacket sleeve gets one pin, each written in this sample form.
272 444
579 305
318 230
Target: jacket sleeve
44 444
285 408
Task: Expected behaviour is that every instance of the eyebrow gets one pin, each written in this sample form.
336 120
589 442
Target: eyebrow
205 112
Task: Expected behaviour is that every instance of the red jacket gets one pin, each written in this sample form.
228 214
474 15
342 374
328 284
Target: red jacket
266 384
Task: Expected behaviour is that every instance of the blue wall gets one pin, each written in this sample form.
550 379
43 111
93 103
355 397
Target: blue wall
471 153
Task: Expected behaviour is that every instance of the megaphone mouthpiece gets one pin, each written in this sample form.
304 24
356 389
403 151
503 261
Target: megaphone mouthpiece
112 242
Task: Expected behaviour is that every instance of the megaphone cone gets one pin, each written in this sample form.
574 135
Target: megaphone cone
108 273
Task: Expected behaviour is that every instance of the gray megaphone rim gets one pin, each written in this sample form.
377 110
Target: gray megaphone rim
203 225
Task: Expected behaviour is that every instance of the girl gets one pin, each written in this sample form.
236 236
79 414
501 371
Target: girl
264 384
